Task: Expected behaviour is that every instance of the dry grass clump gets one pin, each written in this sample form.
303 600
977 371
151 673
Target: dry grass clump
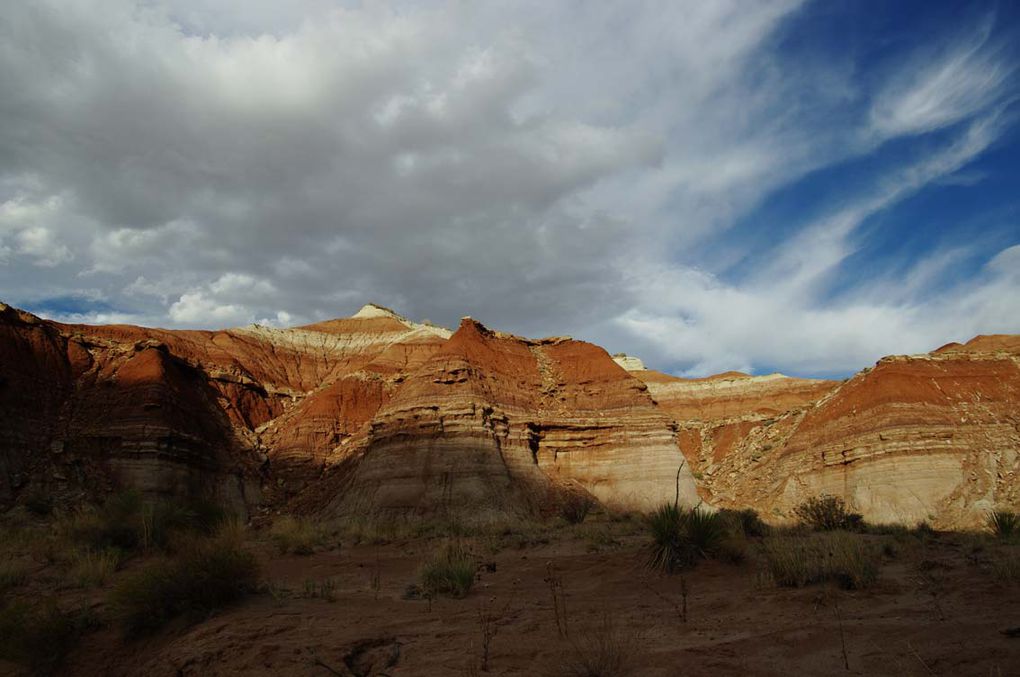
746 522
849 560
204 575
296 536
39 638
828 513
127 522
604 651
92 568
1004 524
575 507
450 570
1006 568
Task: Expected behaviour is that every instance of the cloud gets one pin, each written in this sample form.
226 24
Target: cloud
930 93
545 167
782 315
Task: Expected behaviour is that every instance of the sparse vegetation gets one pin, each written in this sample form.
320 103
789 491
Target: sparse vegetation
92 568
296 536
828 513
128 523
39 638
203 576
449 571
847 559
604 651
1006 568
324 589
1004 524
681 536
576 506
746 522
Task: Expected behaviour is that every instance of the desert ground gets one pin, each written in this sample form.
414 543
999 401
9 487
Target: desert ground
549 598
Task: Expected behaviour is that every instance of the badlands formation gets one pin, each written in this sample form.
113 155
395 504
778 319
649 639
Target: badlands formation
374 414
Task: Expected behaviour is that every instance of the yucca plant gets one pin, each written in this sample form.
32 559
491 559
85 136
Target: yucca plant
681 536
1004 523
669 548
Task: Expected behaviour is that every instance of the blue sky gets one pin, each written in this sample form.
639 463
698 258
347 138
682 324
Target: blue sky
781 185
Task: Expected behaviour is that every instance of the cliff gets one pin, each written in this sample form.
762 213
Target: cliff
377 414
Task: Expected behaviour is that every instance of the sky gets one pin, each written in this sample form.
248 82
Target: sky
782 185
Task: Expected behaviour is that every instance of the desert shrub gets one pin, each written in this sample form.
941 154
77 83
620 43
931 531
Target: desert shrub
92 568
849 560
296 536
681 536
604 651
40 638
127 522
745 521
732 548
1004 524
324 589
1006 568
232 530
450 570
576 506
202 577
827 513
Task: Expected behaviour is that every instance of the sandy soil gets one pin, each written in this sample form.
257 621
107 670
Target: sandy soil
936 610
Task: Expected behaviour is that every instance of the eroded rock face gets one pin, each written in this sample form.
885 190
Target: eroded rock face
492 421
931 437
934 437
374 413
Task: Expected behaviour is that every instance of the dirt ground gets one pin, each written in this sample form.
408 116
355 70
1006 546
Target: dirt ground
936 610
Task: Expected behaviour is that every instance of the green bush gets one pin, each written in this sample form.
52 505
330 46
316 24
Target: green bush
681 536
204 576
827 513
1004 524
39 638
849 560
449 571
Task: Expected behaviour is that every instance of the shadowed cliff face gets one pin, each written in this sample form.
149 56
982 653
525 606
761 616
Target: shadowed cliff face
374 413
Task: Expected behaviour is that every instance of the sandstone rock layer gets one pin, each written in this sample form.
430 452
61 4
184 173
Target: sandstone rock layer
377 414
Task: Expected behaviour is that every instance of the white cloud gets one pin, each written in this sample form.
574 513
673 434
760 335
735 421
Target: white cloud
544 167
932 91
782 314
197 308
